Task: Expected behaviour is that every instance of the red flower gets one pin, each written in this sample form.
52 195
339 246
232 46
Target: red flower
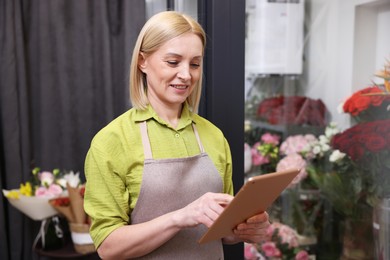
365 138
63 201
292 110
363 99
82 191
355 151
375 143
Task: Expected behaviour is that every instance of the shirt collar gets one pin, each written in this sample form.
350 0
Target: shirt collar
149 113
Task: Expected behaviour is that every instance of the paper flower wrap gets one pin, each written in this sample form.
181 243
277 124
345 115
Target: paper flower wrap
37 208
33 196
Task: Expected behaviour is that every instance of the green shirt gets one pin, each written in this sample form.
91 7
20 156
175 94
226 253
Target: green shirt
114 163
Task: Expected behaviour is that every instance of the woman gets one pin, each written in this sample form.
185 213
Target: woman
159 174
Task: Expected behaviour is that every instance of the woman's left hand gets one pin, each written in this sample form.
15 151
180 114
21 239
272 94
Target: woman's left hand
253 230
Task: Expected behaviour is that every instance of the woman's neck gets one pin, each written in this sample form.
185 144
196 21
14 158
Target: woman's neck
169 114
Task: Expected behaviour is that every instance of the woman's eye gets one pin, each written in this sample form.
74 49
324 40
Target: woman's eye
195 65
172 62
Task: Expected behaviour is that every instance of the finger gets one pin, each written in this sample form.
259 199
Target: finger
222 198
256 225
261 217
251 234
252 238
211 214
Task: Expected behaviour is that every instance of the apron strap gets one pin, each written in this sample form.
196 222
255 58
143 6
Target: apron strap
145 140
198 138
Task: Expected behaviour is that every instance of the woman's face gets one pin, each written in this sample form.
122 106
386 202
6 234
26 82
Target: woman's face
173 70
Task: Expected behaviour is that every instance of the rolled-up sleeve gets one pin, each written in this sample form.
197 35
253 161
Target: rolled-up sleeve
106 198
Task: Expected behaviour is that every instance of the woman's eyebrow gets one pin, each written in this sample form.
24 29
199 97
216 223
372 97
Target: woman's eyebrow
172 54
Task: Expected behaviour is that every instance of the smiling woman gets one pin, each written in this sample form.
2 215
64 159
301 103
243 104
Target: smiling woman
161 150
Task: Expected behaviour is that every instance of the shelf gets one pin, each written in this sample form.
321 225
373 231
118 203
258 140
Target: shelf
288 130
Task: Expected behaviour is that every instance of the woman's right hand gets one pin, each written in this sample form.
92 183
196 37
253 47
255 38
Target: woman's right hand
205 210
145 237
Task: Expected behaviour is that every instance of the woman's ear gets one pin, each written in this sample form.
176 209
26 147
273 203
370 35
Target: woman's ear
142 62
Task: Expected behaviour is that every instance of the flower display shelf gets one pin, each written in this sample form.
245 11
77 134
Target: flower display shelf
287 130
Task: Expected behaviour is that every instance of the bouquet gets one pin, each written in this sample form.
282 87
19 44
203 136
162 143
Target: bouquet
32 197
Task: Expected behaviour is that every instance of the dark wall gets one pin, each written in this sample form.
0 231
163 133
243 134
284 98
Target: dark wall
223 100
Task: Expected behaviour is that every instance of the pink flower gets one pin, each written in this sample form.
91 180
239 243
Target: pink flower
250 252
270 138
270 231
297 144
293 160
286 233
41 192
302 255
270 249
52 191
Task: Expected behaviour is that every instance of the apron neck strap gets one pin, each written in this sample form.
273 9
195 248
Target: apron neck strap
198 138
146 142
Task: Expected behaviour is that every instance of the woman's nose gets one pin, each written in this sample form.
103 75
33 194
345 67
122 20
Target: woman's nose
184 73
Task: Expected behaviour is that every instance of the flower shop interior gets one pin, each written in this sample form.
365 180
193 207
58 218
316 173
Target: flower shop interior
291 83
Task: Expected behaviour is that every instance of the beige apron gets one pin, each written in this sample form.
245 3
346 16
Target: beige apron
171 184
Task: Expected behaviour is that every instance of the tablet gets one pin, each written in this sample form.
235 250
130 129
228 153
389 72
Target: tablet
255 196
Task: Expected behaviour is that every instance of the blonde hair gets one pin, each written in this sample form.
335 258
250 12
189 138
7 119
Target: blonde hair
159 29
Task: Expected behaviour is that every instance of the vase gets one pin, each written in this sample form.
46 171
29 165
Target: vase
381 224
358 239
247 158
82 241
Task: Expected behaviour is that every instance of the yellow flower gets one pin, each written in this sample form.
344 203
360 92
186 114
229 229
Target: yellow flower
26 189
385 74
13 194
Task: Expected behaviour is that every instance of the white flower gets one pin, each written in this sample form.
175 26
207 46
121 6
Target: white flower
72 178
316 149
331 130
340 108
323 139
336 156
325 147
247 125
